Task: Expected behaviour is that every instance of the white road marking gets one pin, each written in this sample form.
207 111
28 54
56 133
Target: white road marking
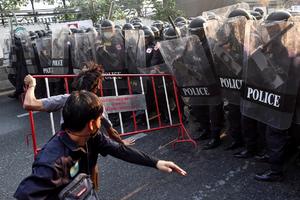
26 114
136 137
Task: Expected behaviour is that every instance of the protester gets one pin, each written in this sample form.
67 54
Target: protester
75 150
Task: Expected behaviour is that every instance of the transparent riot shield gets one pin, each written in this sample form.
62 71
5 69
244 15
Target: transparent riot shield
84 49
28 52
223 12
226 42
189 64
44 48
271 75
110 53
135 50
60 51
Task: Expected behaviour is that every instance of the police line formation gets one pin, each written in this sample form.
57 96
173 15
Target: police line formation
239 62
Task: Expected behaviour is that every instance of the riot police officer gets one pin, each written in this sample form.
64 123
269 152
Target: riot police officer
157 59
277 139
210 117
126 27
160 26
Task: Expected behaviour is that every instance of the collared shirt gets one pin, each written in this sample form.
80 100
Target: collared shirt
61 159
56 103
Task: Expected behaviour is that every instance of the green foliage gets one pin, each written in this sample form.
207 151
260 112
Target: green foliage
8 5
92 9
165 9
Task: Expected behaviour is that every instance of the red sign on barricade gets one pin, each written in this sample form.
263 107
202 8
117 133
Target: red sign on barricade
132 103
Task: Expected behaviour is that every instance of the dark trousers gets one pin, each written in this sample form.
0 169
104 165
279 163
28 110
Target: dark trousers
276 142
235 123
254 134
210 118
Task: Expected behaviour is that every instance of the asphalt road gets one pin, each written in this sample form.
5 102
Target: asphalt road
212 174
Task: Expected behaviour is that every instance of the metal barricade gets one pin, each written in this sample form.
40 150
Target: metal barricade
183 135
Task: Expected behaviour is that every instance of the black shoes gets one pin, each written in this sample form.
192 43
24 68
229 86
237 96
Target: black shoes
213 143
269 176
234 145
204 135
244 154
262 158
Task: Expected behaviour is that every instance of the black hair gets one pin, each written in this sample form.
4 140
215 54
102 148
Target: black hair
81 107
88 79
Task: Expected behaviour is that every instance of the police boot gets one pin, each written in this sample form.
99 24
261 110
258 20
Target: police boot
213 143
269 176
234 145
244 154
204 135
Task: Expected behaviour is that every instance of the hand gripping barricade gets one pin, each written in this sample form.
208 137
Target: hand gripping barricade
129 103
271 75
134 50
189 64
226 41
84 47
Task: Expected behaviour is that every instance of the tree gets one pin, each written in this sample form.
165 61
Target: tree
6 6
164 9
91 9
132 4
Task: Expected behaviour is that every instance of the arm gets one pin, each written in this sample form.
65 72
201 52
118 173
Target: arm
135 156
30 101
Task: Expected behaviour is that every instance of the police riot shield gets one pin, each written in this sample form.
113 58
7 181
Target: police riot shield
135 50
84 49
226 41
223 12
189 64
271 75
60 51
28 52
44 48
110 52
4 46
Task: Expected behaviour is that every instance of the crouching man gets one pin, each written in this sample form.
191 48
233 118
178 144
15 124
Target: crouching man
75 150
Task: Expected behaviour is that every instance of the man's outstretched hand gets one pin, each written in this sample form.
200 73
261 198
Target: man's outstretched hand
168 166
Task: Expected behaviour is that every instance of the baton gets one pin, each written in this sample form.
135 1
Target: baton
173 25
284 31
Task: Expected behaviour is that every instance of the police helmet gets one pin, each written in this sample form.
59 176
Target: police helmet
137 25
146 27
196 23
32 35
149 35
280 15
256 15
260 10
170 33
180 21
119 27
107 24
127 26
39 33
240 12
158 24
